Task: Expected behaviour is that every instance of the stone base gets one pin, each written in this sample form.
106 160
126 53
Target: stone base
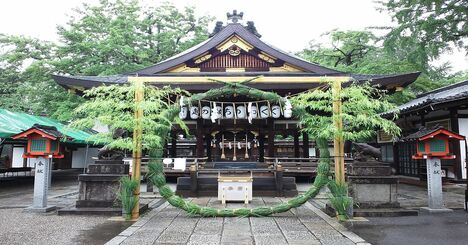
32 209
375 212
427 210
374 191
112 211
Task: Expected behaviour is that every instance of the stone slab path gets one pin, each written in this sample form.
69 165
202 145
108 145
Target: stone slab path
169 225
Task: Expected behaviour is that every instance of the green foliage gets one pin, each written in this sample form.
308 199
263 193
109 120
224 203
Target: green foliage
156 176
361 106
156 171
115 37
347 49
126 195
361 52
339 199
233 89
110 37
426 27
25 82
114 106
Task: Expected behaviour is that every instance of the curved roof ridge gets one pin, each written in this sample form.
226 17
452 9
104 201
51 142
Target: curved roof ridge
229 30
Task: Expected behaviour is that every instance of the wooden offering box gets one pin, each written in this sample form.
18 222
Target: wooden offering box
235 188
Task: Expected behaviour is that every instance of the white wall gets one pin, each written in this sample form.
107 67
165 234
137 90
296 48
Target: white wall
17 158
463 130
78 157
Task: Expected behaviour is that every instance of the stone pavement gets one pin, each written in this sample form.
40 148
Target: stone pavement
412 196
304 225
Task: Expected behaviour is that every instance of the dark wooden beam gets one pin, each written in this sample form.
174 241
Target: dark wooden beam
271 138
305 145
456 144
261 148
208 139
296 144
173 150
199 136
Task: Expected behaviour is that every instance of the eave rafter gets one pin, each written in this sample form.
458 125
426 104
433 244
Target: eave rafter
263 79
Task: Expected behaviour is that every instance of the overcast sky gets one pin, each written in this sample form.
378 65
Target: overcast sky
289 25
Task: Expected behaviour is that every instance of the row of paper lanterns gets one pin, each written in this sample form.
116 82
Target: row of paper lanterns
239 112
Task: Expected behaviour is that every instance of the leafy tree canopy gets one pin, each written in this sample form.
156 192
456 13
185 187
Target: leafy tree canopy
361 108
111 37
114 106
426 28
361 52
120 36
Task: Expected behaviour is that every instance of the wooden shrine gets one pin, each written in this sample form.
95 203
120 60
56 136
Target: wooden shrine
236 133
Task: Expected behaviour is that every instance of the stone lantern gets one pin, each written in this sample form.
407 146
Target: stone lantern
432 144
43 145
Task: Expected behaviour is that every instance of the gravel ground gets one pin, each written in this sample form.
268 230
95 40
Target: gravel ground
18 227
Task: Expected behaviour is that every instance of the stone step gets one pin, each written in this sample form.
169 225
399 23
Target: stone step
385 212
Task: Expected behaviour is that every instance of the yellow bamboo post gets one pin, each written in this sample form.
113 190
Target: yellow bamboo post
338 145
137 138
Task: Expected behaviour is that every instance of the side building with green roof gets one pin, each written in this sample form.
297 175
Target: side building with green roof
78 150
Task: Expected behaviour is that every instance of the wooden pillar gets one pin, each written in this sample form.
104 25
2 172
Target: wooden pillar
271 138
173 150
199 135
296 144
338 139
193 181
305 145
279 180
456 144
137 141
208 139
261 148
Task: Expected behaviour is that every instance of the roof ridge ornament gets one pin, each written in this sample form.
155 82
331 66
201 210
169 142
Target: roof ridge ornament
234 17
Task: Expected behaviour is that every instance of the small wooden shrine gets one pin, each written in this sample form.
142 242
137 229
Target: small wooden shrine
434 142
43 141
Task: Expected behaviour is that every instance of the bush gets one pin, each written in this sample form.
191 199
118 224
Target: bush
127 197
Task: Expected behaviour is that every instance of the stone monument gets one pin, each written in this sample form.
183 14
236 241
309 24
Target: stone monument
41 186
100 184
372 185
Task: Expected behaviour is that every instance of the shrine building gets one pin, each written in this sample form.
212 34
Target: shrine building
246 131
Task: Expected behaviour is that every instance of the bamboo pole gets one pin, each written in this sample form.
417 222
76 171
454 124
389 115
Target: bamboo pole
338 145
137 138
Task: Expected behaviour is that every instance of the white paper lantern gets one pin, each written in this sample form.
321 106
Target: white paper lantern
219 111
205 113
241 112
275 111
254 112
287 113
194 112
229 111
183 112
264 111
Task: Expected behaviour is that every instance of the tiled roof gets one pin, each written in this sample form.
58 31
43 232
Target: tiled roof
445 94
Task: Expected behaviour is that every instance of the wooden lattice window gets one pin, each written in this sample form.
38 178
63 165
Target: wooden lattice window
437 145
38 145
422 147
53 146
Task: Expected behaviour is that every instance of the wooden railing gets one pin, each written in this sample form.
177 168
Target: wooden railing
197 162
297 165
